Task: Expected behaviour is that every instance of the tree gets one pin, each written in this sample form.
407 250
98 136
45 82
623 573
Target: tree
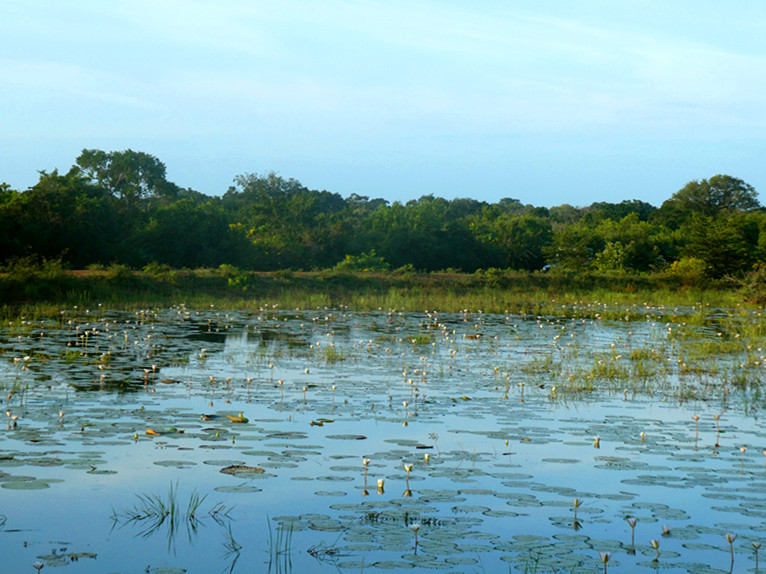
522 239
12 230
128 175
574 246
618 211
65 216
720 243
719 195
641 245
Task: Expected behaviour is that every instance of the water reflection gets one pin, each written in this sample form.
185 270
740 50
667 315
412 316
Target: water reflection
507 407
155 515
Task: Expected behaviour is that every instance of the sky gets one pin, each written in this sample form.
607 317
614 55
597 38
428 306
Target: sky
548 102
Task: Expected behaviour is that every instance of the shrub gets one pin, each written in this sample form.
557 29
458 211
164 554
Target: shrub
754 285
119 272
32 267
689 270
367 262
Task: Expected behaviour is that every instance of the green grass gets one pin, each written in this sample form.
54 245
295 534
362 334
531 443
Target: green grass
584 295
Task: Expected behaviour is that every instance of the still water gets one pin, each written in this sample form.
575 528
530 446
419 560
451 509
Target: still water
180 440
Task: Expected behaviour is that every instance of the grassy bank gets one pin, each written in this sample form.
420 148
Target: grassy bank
47 290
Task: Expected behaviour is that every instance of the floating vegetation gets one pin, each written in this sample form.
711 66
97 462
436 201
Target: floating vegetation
242 470
386 440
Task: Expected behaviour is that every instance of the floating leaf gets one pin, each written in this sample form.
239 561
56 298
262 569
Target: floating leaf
242 470
237 418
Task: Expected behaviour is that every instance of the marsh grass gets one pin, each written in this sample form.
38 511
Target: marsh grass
232 549
280 547
43 289
332 354
152 512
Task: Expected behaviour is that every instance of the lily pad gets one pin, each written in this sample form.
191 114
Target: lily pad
242 470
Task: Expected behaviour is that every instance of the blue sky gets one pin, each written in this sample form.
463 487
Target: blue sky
549 102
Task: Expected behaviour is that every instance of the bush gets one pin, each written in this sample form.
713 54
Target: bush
161 272
407 271
754 285
237 279
33 267
367 262
119 272
689 270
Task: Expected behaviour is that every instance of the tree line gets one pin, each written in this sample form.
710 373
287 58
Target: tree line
119 207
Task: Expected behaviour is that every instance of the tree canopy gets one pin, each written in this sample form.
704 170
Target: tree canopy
119 207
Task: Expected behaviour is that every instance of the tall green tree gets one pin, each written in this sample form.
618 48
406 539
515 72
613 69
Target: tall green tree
720 242
522 240
720 195
66 216
13 242
127 175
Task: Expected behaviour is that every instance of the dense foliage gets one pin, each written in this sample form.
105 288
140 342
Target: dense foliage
118 208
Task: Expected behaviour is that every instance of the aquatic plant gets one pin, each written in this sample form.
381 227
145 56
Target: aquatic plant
632 523
232 549
605 556
408 468
576 504
656 545
730 538
717 430
696 419
280 547
153 511
415 526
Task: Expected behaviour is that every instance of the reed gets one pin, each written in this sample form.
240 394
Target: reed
517 292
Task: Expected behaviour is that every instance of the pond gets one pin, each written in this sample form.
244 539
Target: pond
183 440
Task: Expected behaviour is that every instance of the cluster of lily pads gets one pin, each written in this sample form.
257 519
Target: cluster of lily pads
623 439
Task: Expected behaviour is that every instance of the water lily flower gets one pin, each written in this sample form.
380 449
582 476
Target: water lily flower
632 523
656 545
730 538
415 526
605 556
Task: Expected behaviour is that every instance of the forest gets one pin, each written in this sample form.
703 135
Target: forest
118 208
